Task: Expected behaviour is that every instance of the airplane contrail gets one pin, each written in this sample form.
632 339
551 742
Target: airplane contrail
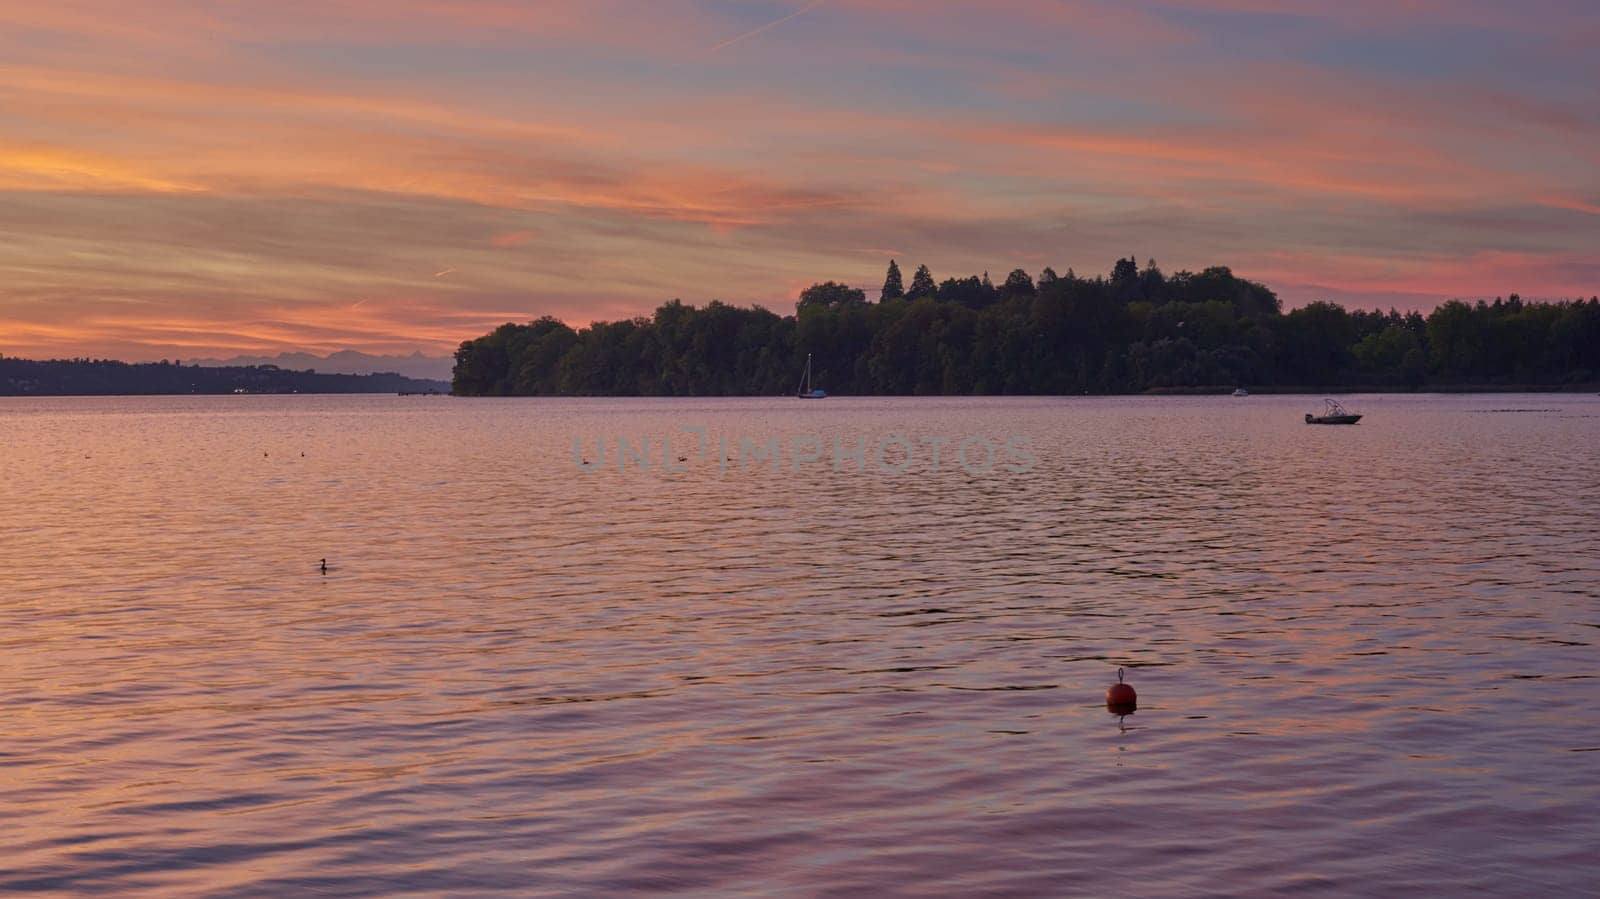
767 27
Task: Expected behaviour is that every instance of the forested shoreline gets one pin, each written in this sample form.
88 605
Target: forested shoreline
1135 330
107 377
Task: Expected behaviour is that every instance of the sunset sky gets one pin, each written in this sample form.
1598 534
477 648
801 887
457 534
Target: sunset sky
195 179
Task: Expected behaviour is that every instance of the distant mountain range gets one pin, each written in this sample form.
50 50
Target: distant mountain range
345 362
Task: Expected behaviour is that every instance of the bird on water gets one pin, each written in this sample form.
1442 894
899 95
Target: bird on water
324 566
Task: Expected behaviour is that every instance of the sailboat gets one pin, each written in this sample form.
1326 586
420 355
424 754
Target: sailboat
805 391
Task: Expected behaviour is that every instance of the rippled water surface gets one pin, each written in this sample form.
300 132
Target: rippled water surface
1365 656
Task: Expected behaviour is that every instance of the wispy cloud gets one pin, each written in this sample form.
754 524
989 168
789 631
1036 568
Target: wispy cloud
268 180
767 27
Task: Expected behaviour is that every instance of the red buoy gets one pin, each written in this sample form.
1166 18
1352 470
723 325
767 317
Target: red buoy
1121 698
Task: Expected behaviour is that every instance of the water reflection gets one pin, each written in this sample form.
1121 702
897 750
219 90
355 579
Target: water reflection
1365 653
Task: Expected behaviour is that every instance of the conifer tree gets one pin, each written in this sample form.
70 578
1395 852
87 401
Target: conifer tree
893 289
921 284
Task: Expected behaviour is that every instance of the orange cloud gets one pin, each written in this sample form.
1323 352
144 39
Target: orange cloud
57 168
511 238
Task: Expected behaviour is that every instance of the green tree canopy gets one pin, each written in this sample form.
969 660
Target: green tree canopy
1018 284
1137 330
831 293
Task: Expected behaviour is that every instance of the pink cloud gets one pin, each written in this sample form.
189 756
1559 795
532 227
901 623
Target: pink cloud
293 175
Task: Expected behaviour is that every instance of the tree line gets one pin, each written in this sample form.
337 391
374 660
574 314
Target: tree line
1135 330
106 377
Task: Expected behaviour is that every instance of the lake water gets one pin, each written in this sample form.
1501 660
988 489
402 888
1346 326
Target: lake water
1365 656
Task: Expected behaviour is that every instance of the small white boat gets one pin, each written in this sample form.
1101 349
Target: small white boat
805 391
1241 392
